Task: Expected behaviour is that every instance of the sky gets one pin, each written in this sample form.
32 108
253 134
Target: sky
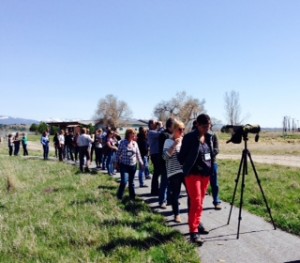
58 58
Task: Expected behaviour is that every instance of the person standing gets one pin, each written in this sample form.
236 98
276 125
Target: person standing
164 194
56 144
128 155
24 144
10 141
61 145
174 170
45 143
196 156
153 141
98 148
214 184
17 142
110 152
83 142
144 172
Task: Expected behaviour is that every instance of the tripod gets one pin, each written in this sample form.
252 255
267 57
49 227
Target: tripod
244 167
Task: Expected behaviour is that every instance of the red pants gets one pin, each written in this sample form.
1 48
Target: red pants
196 187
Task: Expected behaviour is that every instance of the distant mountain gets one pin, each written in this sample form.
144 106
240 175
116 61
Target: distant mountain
6 120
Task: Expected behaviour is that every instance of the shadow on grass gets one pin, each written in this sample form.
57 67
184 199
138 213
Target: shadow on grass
143 244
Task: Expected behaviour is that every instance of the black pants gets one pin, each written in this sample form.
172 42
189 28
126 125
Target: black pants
98 152
175 182
155 159
83 152
10 150
76 152
61 153
25 151
17 149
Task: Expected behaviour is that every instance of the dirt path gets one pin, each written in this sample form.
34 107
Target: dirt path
293 161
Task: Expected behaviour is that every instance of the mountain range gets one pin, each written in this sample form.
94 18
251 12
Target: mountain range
7 120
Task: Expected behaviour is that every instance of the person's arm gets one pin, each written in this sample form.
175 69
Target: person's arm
119 151
215 145
183 150
138 153
169 147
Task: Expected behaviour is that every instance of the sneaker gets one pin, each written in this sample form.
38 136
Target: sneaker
163 206
196 239
143 186
177 219
202 230
148 177
218 207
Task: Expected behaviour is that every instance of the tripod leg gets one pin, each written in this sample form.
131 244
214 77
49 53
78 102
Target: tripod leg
261 190
236 184
245 172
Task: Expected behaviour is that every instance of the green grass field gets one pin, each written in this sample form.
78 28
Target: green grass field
281 186
50 213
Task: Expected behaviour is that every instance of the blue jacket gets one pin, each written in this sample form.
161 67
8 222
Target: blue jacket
190 149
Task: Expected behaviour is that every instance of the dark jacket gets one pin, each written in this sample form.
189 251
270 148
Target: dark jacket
190 149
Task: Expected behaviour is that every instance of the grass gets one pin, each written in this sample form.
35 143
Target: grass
50 213
281 186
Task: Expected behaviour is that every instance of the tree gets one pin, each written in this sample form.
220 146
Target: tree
112 112
183 107
42 127
232 107
33 127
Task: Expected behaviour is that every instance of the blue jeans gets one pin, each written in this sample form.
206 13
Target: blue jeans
144 172
110 163
45 151
164 194
215 185
127 175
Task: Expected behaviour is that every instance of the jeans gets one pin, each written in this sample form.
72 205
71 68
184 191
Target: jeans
110 163
144 172
164 195
175 182
46 151
215 185
127 175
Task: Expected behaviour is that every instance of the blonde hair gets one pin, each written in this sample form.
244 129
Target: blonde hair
177 124
128 132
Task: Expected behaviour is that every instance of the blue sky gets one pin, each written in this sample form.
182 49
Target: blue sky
59 57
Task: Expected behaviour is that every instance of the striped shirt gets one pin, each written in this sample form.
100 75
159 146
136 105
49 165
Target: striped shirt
128 153
172 164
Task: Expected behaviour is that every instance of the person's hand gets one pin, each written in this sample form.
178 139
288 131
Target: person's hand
178 140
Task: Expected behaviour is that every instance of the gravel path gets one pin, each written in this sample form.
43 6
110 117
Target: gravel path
286 160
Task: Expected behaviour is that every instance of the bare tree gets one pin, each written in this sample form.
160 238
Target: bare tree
232 107
183 107
112 112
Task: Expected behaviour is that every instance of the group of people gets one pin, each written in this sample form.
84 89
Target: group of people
177 158
14 142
